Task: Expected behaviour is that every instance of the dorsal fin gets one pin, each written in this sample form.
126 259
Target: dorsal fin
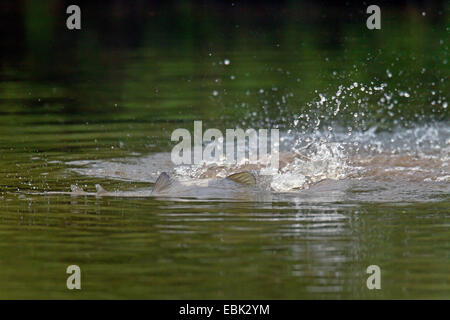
162 183
100 189
244 177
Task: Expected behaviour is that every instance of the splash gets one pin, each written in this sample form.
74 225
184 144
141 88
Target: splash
337 137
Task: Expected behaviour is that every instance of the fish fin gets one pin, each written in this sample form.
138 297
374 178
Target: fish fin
163 182
244 177
100 189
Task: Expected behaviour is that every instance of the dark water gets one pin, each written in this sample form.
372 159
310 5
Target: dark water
98 107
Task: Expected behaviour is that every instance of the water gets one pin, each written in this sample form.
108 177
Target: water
364 128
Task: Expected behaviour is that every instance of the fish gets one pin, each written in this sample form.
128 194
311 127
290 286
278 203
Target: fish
164 183
236 186
230 186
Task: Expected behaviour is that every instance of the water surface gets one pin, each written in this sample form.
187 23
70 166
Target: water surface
99 107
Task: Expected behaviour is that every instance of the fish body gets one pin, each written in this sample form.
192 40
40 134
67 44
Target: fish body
165 185
235 186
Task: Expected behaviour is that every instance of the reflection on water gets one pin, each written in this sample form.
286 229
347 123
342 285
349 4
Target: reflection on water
98 107
144 248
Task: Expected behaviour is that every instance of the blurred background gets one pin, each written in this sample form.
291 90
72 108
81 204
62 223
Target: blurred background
144 61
